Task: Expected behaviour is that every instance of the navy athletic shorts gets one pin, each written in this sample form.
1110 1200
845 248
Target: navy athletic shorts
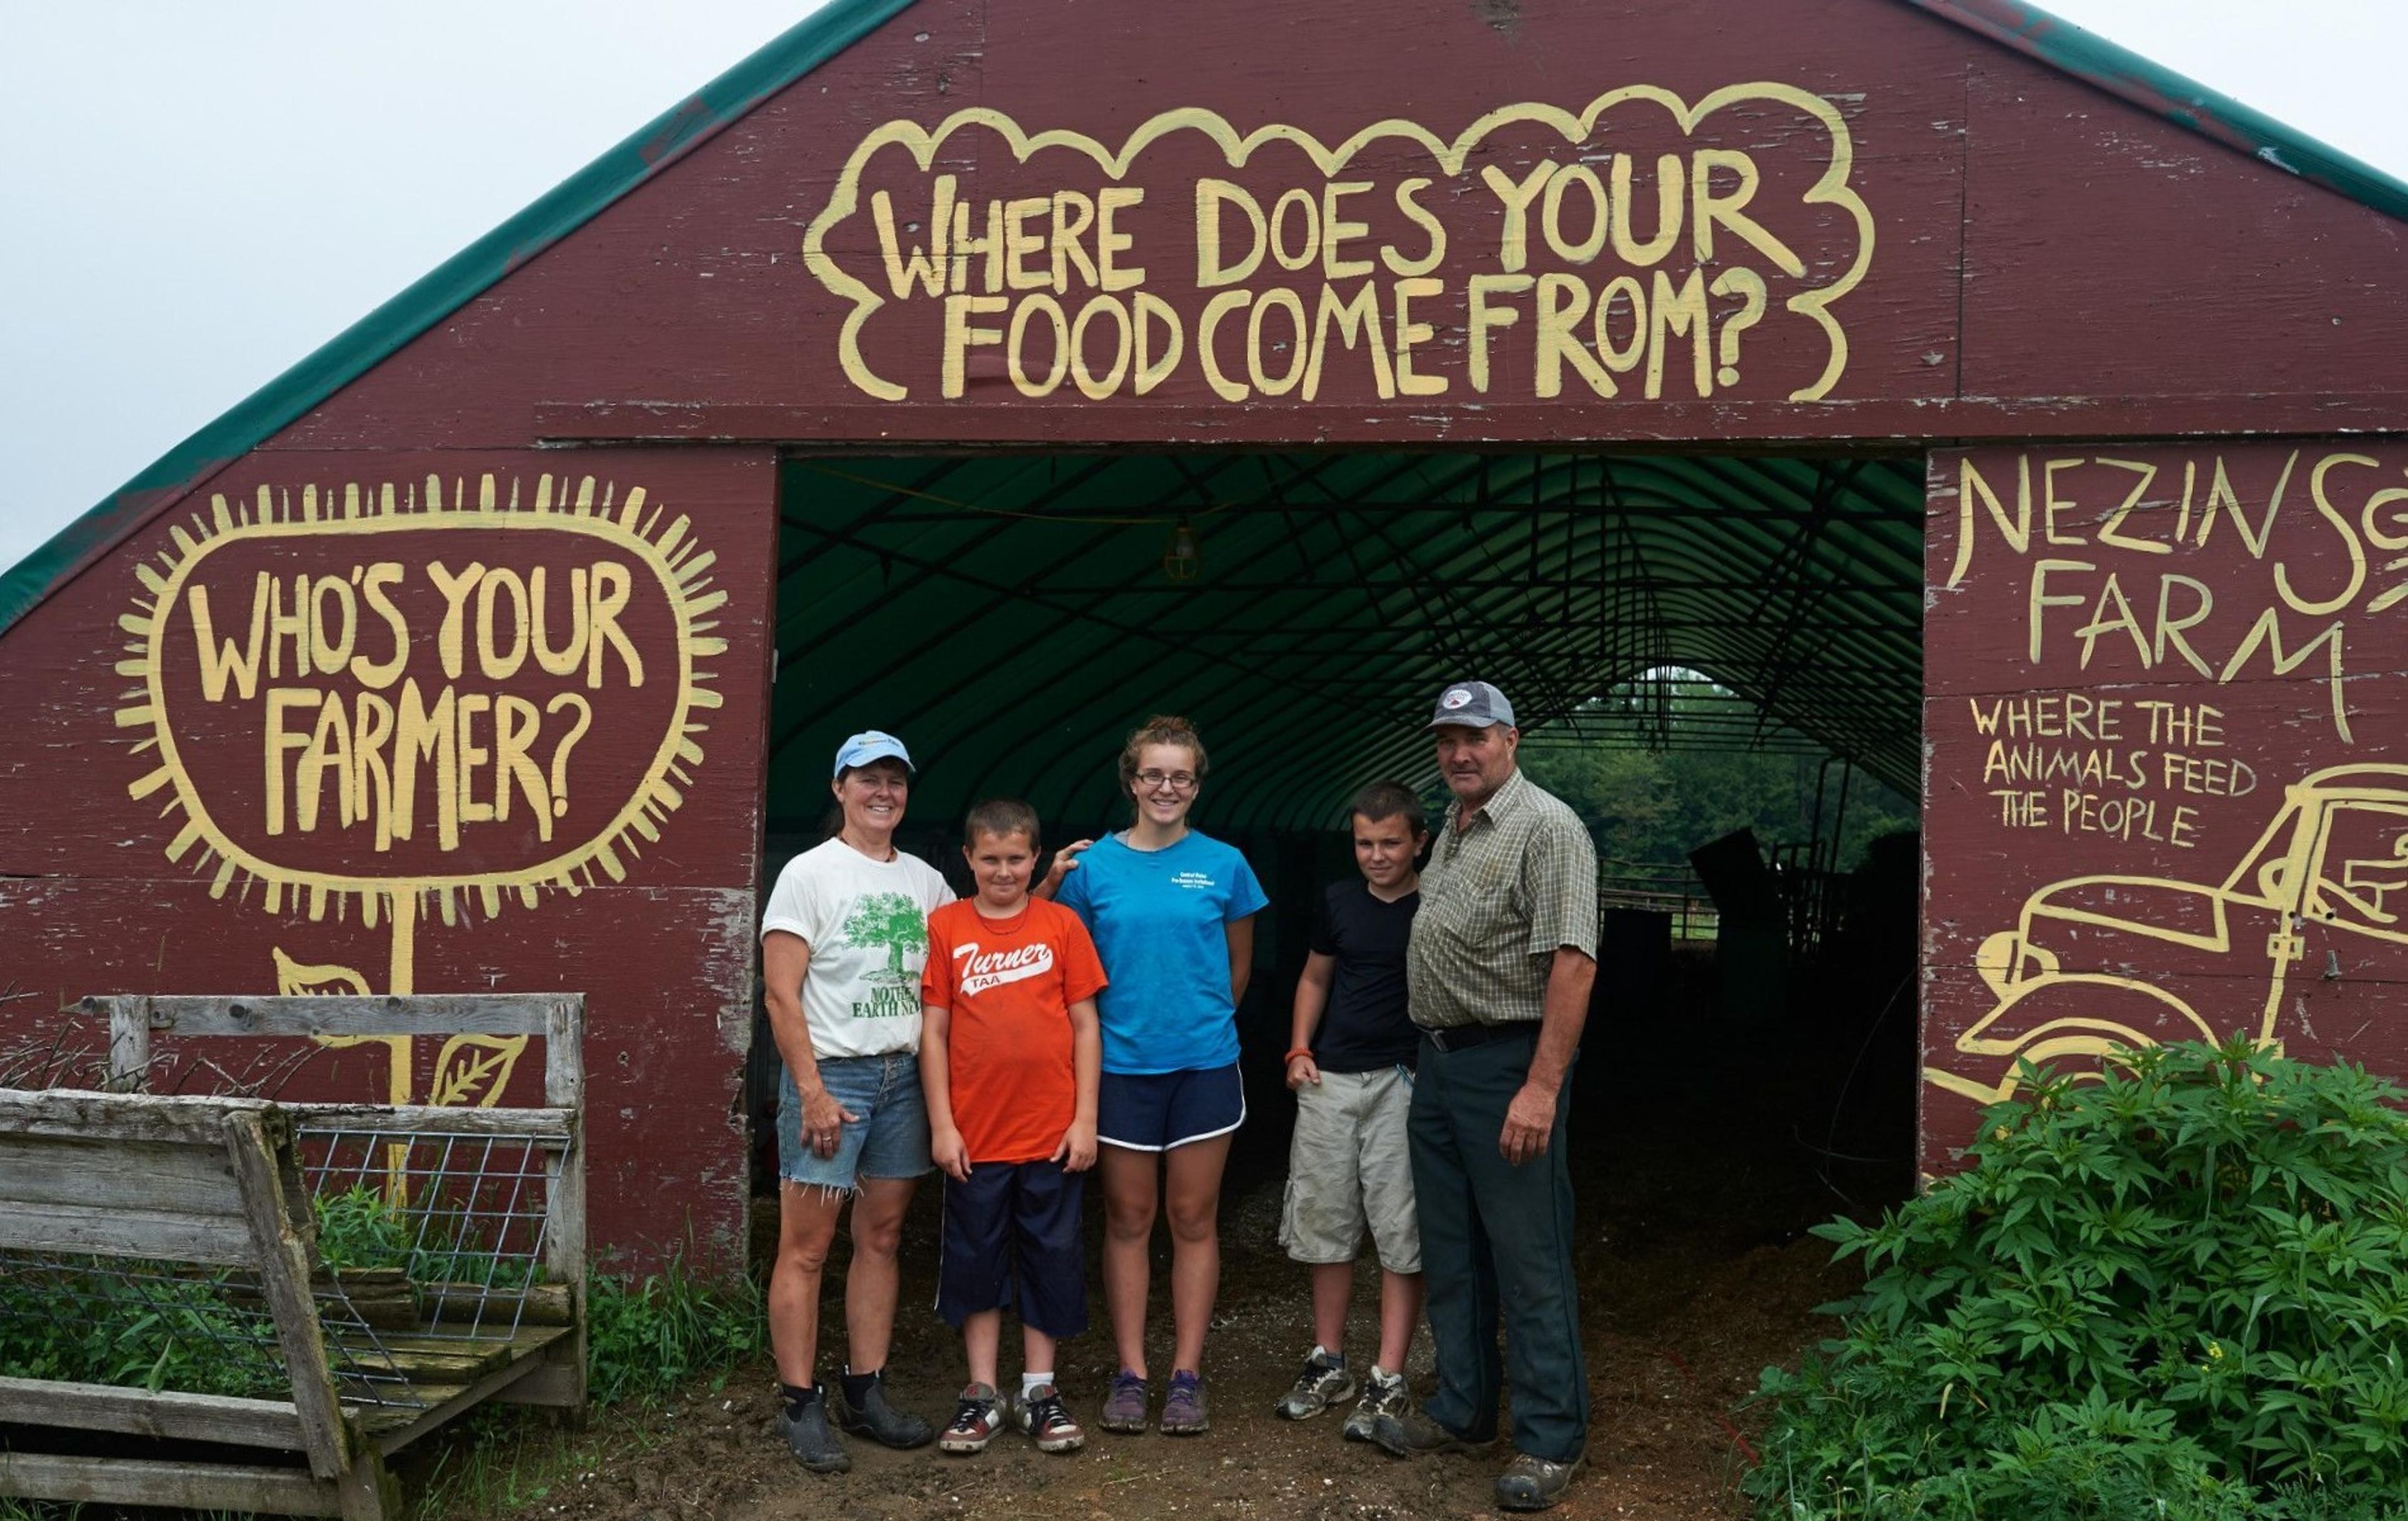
1014 1225
1155 1111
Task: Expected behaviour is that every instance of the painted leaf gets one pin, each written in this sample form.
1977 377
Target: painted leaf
473 1070
294 979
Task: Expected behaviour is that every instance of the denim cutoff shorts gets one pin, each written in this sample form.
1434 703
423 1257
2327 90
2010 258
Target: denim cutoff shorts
889 1137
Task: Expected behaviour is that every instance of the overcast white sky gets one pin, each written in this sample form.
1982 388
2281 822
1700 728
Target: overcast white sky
198 195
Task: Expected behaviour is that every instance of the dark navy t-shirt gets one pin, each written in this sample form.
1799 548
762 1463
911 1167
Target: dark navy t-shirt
1365 1025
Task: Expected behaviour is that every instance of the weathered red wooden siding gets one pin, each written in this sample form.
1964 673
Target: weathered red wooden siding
2140 848
89 901
2045 261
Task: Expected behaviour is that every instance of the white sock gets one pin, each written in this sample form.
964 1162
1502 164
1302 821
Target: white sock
1335 1359
1029 1383
1379 1374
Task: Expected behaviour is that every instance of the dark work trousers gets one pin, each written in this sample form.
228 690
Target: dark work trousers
1492 1233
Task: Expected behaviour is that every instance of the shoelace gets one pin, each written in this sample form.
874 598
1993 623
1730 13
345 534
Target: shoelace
1313 1374
971 1414
1048 1412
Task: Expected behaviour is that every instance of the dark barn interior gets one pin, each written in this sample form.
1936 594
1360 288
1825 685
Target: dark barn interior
1011 615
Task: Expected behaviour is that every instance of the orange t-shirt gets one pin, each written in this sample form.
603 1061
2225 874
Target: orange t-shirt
1009 985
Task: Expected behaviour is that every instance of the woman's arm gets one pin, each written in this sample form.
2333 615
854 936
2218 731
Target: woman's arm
785 961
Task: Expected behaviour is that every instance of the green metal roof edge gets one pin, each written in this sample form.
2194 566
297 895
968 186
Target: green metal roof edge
2178 98
451 285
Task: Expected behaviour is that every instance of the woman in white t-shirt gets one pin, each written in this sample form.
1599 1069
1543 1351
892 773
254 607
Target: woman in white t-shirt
843 943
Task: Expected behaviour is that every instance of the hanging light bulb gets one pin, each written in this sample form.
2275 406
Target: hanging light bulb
1184 556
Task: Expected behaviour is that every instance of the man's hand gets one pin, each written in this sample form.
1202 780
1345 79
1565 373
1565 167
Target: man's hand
1076 1152
1302 1070
1529 1120
950 1154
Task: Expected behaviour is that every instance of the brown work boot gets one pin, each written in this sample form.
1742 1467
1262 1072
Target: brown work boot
1415 1434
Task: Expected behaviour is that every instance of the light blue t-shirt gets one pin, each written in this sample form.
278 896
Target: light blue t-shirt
1158 918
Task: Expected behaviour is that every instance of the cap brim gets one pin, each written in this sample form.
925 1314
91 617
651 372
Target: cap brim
1462 720
875 752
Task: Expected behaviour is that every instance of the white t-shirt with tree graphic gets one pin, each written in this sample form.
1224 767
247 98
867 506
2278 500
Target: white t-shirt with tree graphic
866 923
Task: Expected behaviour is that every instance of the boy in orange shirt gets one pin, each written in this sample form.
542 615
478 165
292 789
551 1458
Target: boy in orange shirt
1009 1052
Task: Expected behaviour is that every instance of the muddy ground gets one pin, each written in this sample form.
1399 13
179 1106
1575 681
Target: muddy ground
1702 1153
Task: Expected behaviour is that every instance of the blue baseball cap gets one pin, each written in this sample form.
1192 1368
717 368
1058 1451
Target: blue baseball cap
870 745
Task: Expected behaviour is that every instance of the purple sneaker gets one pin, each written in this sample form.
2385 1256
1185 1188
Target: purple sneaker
1182 1408
1124 1404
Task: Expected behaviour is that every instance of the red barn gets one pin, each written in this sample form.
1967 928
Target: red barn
1992 408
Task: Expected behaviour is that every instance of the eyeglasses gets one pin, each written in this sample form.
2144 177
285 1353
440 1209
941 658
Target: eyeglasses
1175 780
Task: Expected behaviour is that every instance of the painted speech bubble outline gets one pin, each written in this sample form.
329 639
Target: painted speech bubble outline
1831 188
674 558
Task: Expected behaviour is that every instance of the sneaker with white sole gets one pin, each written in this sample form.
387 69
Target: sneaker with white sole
1384 1394
1048 1421
1323 1383
976 1420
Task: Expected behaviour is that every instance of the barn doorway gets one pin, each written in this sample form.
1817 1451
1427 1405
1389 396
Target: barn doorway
1750 1066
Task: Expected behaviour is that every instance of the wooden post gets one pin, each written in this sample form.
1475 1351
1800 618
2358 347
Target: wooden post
286 1256
563 1088
129 1044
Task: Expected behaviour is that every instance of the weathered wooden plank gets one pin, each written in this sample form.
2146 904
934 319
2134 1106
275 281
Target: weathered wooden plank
565 1204
145 1412
185 1486
391 1429
284 1251
540 1304
129 1048
75 1112
221 1240
140 1175
540 1127
449 1014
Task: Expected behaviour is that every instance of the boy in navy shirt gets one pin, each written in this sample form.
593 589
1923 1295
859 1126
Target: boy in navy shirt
1349 1063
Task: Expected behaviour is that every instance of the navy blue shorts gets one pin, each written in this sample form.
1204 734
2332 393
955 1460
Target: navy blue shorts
1015 1225
1155 1111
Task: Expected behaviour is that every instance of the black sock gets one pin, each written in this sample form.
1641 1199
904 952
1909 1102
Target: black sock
857 1385
798 1401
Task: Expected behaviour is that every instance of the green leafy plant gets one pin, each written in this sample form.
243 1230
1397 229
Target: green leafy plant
647 1336
2177 1290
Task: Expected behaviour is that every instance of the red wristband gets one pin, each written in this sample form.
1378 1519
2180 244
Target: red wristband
1300 1051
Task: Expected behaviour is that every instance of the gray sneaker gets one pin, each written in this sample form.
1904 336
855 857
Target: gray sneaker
1323 1383
813 1444
1384 1394
1124 1403
1048 1422
1534 1484
1182 1408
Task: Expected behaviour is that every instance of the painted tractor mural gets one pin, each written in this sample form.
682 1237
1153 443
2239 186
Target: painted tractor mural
2317 907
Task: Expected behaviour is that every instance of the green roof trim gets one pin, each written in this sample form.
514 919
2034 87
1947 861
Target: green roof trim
360 348
2124 74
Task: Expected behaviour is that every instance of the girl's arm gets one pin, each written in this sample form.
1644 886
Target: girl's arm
1241 957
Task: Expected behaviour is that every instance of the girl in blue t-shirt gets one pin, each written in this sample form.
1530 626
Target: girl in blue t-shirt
1171 911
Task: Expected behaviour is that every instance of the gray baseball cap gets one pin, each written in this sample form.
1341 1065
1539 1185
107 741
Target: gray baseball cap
1472 704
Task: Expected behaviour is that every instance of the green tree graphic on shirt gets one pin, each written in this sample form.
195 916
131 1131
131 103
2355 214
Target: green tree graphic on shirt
893 920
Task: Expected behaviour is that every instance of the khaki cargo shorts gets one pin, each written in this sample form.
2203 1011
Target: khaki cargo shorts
1349 1168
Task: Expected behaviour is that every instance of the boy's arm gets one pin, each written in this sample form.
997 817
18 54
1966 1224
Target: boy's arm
1076 1152
1312 998
945 1146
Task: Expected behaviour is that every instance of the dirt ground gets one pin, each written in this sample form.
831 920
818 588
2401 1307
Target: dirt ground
1701 1155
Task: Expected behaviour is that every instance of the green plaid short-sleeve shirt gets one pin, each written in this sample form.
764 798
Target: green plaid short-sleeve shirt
1498 899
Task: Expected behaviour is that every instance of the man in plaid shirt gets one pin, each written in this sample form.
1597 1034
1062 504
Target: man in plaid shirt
1499 970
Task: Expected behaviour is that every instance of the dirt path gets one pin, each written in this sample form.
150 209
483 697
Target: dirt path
1694 1190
